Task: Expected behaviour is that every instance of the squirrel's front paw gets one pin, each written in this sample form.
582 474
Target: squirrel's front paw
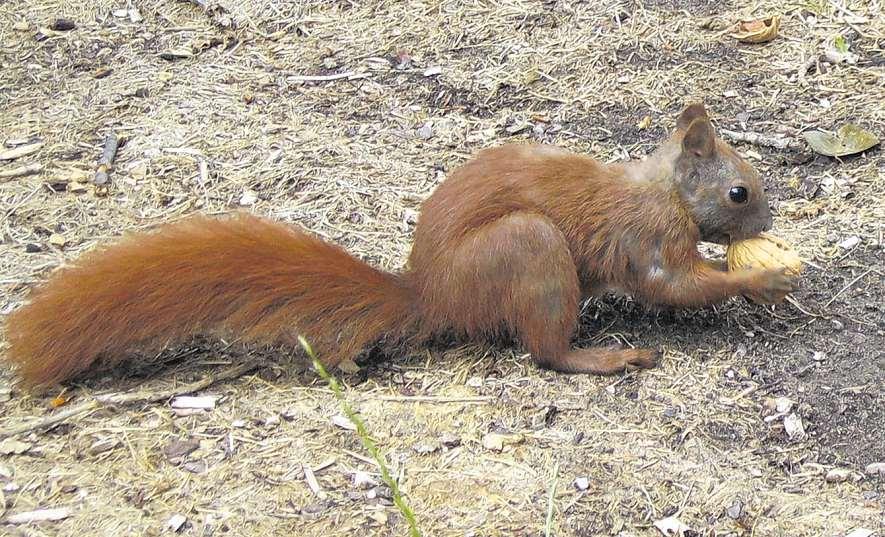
770 286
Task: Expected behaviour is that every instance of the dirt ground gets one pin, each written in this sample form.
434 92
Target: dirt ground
218 116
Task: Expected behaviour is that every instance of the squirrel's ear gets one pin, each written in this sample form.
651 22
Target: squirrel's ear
691 113
699 140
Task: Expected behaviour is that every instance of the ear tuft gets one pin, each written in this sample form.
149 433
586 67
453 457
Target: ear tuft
692 112
699 140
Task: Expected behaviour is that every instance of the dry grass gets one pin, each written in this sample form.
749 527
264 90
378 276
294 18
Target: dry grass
343 158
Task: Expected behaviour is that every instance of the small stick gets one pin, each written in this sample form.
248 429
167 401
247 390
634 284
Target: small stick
127 398
21 171
106 162
849 284
40 515
799 307
350 75
435 399
756 138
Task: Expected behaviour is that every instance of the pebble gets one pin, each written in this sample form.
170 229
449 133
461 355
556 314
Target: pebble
176 522
837 475
425 131
735 510
793 426
875 469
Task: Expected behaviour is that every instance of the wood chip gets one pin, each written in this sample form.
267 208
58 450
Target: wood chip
11 446
205 402
312 482
21 171
20 151
58 240
40 515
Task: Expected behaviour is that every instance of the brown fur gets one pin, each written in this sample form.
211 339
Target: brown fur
509 244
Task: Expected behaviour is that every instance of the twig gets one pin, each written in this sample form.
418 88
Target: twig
756 138
27 169
127 398
40 515
752 389
349 75
849 284
435 399
799 306
106 162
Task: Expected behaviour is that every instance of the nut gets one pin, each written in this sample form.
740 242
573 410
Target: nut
763 251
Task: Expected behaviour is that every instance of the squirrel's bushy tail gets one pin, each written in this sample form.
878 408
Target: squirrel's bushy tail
242 276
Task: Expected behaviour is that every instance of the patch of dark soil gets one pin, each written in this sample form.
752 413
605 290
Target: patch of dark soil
832 365
654 55
439 96
841 355
618 124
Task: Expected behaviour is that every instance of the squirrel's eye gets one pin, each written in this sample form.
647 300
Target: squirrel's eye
738 194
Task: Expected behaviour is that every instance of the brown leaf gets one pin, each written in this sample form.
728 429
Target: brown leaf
758 31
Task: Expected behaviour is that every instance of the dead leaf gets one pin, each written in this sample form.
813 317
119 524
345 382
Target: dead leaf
848 140
644 123
757 31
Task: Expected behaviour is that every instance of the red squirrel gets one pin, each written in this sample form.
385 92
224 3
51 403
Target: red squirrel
509 244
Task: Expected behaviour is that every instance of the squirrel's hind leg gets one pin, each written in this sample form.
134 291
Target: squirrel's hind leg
604 360
518 271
